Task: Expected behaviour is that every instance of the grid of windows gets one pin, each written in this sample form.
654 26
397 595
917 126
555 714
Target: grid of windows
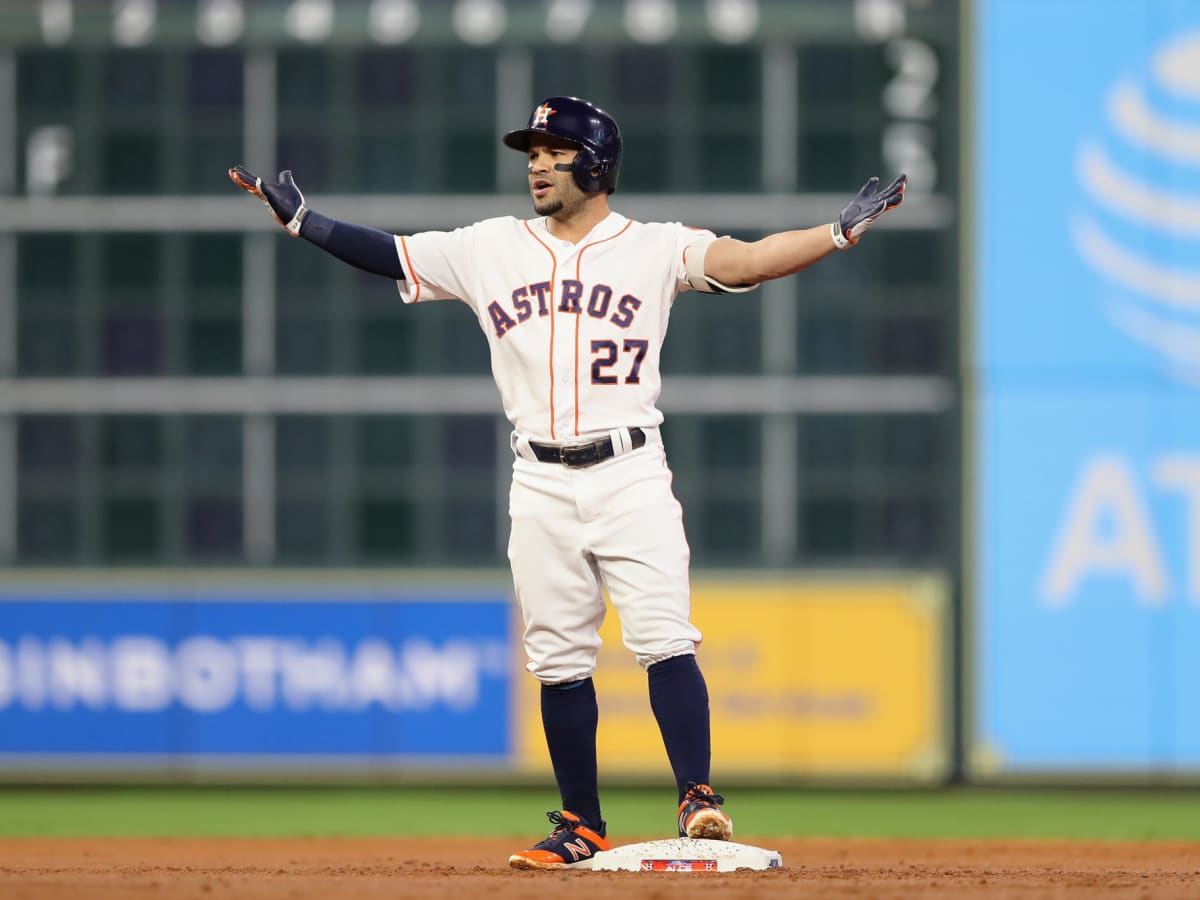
129 489
169 488
413 490
129 304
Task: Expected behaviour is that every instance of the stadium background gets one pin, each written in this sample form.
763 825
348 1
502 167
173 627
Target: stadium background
253 512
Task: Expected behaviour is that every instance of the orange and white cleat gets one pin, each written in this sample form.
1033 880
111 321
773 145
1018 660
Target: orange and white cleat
571 845
700 815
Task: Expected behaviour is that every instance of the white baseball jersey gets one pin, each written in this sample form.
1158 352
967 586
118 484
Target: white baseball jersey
575 330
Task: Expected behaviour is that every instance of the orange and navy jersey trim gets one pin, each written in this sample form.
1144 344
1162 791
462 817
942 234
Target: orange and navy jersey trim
408 267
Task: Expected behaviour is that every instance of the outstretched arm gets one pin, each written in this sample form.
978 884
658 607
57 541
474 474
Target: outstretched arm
735 262
365 248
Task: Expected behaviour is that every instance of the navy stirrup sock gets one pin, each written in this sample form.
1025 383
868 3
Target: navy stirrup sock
570 716
679 698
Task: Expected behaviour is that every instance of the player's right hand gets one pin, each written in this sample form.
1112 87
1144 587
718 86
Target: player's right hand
862 212
282 197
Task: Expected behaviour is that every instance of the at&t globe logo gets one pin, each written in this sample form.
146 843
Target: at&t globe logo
1139 230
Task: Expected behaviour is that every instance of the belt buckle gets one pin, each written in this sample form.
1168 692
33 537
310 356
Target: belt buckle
578 457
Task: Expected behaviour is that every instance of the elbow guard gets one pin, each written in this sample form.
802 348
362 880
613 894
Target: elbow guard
694 264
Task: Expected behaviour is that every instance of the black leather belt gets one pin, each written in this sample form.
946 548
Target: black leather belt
579 456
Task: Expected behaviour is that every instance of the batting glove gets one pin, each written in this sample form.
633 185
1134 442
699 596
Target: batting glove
869 205
282 197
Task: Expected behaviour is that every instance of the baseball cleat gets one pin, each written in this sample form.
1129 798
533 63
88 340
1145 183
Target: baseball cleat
700 815
571 844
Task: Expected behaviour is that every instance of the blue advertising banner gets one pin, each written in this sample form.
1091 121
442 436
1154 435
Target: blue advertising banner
269 673
1087 481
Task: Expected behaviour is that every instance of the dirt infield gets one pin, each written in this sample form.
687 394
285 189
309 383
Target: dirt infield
35 869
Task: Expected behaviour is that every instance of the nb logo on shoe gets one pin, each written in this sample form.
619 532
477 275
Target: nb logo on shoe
578 849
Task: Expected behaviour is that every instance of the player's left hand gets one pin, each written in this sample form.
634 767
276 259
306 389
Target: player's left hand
282 198
865 209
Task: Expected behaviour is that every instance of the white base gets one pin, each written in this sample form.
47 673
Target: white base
685 855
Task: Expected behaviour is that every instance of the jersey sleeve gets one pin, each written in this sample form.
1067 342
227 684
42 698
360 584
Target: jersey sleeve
689 239
436 265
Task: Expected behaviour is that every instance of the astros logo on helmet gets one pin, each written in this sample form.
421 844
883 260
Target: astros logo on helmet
541 115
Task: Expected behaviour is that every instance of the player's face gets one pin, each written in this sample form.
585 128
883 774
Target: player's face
553 191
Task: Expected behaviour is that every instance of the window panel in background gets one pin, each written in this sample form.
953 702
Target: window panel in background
397 466
133 492
48 81
305 296
47 444
730 122
213 130
386 490
308 116
387 332
132 327
879 310
468 450
424 489
131 489
467 141
50 121
716 461
388 154
132 444
133 80
129 304
131 529
569 72
840 114
132 150
303 488
210 513
873 488
211 307
50 304
49 449
389 163
730 341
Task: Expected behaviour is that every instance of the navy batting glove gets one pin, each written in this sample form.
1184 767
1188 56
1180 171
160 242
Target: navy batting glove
282 197
864 209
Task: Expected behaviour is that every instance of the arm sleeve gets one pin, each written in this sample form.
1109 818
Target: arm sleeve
366 248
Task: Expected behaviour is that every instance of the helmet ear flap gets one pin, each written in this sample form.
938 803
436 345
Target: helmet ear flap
589 171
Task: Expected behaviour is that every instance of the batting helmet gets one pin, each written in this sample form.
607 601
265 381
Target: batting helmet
586 126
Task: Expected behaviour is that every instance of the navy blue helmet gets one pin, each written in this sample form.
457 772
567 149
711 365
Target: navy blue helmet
586 126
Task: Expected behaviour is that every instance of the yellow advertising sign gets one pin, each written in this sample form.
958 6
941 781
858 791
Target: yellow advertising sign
839 677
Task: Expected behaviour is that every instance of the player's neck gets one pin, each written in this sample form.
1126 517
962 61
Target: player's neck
576 225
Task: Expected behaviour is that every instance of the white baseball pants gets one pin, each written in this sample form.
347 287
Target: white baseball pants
616 524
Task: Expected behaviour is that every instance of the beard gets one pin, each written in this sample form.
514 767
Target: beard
565 198
548 206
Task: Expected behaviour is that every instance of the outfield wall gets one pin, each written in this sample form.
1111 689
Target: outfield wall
327 675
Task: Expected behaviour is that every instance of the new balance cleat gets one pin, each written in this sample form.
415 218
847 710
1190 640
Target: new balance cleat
571 845
700 815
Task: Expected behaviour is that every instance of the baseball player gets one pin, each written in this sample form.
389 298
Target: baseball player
574 304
